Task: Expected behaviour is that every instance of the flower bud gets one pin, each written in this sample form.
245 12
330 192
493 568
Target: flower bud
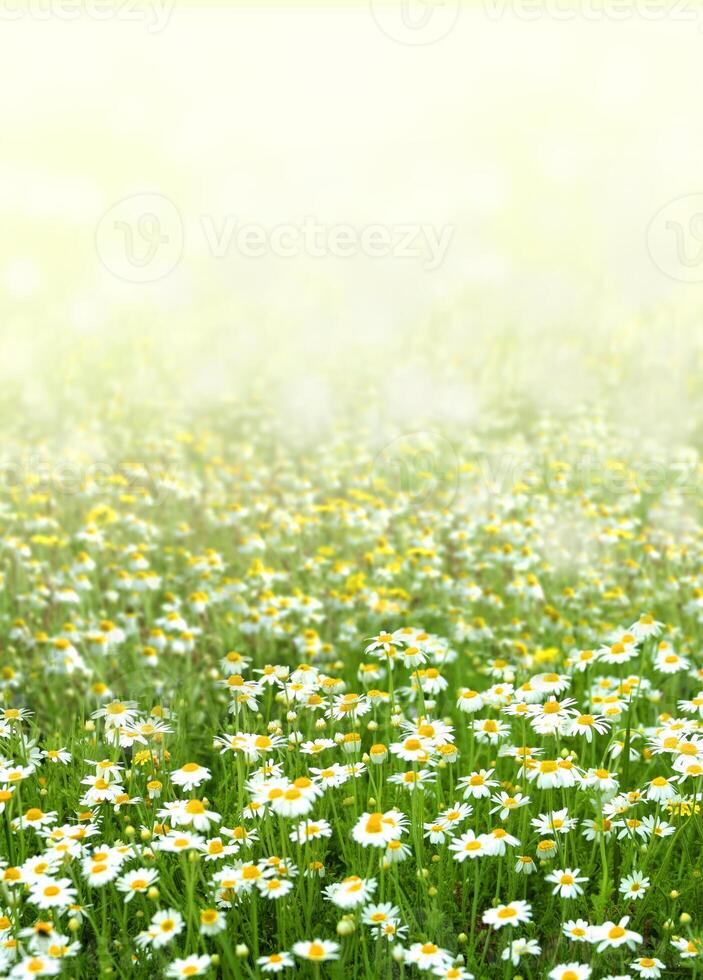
345 927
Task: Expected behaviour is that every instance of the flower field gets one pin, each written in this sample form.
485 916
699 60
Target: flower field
426 708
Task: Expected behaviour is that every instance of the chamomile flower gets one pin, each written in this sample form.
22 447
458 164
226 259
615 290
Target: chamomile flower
634 886
378 829
190 966
351 892
612 935
276 962
518 948
428 956
36 965
577 930
648 966
477 785
190 776
212 922
570 971
512 914
165 925
506 804
567 883
52 893
137 881
471 846
316 951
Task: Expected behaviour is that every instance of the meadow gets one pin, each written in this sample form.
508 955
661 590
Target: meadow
430 706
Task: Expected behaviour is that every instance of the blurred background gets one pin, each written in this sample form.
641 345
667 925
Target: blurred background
439 208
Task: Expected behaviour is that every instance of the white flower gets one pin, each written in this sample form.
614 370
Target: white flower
351 892
191 966
566 883
612 935
190 776
577 930
136 882
317 951
36 966
519 948
648 966
377 829
634 886
508 915
52 893
570 971
428 956
165 926
275 962
469 845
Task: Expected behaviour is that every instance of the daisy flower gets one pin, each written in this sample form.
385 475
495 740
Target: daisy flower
455 814
274 888
136 882
687 948
165 925
577 930
645 627
477 784
275 962
190 776
189 813
453 973
570 971
525 864
308 830
660 789
519 948
505 804
52 893
377 829
377 915
648 966
396 851
558 821
588 725
469 701
508 915
567 883
612 935
634 886
499 839
191 966
428 956
36 966
212 922
468 845
316 951
350 892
